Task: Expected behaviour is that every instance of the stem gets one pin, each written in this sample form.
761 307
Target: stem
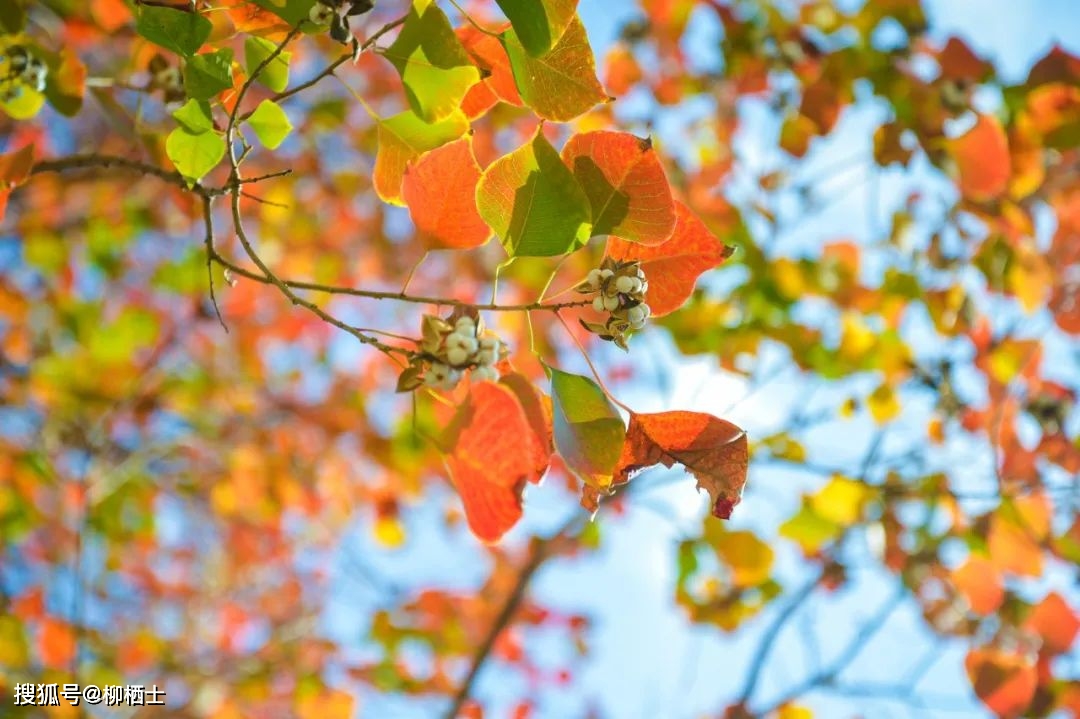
592 367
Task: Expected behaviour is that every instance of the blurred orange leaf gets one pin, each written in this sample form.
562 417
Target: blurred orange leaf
440 191
982 159
1004 681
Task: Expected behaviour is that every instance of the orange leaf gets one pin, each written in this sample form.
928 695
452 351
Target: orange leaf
980 583
1004 681
1056 622
490 55
625 184
672 268
56 643
440 191
982 159
1015 535
486 464
711 449
537 408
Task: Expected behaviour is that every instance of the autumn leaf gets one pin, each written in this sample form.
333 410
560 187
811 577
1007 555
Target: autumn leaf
539 23
587 428
533 203
489 54
625 183
14 169
561 84
434 66
440 192
402 139
1055 622
980 583
672 268
486 463
56 643
982 160
713 450
1004 681
539 442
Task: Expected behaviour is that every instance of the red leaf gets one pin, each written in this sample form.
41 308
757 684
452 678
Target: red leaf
1005 682
1056 622
490 55
537 407
625 184
711 449
486 464
982 159
440 190
672 268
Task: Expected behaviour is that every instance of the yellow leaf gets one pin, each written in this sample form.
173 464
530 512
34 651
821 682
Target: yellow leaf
842 500
1029 278
789 279
389 532
327 704
749 558
809 530
883 404
793 711
856 339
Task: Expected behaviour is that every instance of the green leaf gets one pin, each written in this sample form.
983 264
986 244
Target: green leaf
275 75
12 16
182 32
434 66
208 74
270 123
195 116
402 139
291 11
194 154
589 433
562 84
533 202
66 81
539 23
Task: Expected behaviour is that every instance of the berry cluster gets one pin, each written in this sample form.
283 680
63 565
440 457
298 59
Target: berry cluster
620 289
448 348
336 14
19 69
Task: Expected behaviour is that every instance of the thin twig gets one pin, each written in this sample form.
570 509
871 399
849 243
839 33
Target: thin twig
208 219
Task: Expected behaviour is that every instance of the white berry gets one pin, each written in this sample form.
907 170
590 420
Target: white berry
624 285
485 373
466 342
636 314
489 343
321 14
611 303
604 274
598 303
486 357
593 279
465 326
456 356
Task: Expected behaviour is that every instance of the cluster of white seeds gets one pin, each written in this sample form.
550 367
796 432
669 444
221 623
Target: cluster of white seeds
464 348
622 291
449 347
22 70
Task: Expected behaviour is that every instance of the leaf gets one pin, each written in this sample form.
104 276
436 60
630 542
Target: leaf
434 66
208 74
982 160
533 203
14 169
440 191
1055 622
537 408
66 84
194 154
56 643
182 32
562 84
270 123
842 500
713 450
980 583
539 23
749 558
194 116
291 11
672 268
1004 681
810 530
1016 532
490 56
883 404
275 75
587 429
625 183
402 139
486 463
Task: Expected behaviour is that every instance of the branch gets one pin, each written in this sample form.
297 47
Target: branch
89 161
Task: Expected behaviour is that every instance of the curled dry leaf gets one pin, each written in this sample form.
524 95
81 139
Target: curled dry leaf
711 449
